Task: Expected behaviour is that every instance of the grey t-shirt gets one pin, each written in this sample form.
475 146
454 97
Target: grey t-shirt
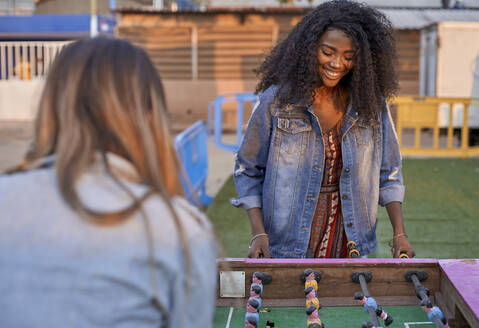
59 270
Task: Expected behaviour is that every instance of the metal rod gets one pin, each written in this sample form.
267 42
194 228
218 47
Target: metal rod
372 315
419 288
422 294
415 280
437 321
372 312
364 285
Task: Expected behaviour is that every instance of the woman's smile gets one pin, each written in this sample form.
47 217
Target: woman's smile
332 75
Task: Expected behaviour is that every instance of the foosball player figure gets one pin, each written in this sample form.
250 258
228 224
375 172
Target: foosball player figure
255 292
313 317
369 325
432 311
383 315
260 279
311 278
311 298
252 308
250 322
371 302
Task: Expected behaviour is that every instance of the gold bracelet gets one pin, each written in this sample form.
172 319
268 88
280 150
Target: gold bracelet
256 236
400 235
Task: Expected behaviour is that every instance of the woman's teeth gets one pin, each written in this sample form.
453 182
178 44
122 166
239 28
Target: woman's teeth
332 75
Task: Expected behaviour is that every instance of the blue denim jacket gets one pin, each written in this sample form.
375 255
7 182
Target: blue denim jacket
279 168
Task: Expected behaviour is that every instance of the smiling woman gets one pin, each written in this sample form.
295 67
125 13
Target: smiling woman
320 151
335 56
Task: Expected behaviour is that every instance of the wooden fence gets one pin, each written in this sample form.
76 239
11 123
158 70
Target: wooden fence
208 53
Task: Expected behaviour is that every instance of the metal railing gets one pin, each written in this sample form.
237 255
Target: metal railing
215 117
423 114
27 60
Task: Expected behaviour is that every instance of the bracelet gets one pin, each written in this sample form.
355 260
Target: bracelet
399 235
256 236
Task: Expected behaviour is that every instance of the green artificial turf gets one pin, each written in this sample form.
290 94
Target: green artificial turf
441 211
231 223
340 317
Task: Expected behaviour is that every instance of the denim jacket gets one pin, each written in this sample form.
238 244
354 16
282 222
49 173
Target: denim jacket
279 168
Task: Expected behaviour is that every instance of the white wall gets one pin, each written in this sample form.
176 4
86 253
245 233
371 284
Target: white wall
187 99
458 53
458 67
18 99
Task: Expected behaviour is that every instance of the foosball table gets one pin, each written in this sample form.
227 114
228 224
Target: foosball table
395 284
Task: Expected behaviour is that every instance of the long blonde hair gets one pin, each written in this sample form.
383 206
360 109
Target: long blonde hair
104 95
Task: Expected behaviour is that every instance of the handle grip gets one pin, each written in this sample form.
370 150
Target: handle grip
352 250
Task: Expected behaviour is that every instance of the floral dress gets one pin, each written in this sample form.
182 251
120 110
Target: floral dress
328 238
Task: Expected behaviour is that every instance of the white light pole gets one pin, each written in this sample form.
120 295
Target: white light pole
158 4
93 19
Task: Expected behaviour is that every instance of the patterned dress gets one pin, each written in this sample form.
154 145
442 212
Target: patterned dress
328 238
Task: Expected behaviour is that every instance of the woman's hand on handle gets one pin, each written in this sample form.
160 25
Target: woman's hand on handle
259 247
401 245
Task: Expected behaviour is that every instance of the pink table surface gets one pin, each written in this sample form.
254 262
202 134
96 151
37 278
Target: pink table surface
328 261
464 275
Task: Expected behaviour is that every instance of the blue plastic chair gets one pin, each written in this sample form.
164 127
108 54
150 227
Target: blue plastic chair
216 105
192 151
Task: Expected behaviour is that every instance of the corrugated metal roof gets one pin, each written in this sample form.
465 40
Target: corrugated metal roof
416 19
376 3
217 10
402 19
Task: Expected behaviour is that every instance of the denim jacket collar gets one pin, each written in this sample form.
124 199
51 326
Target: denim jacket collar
351 116
350 113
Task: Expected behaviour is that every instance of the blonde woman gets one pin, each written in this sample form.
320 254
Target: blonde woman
94 232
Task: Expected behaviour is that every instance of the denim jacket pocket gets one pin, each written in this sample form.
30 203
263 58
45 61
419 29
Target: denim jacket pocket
291 132
365 134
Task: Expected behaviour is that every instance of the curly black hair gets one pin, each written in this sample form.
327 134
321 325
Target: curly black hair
293 63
